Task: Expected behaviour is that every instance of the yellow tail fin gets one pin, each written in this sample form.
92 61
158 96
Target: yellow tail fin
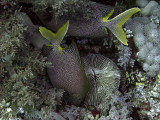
115 24
54 37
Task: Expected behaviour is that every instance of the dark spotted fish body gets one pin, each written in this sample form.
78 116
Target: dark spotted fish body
66 72
82 27
95 26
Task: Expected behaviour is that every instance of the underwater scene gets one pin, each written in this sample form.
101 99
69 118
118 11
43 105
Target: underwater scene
79 59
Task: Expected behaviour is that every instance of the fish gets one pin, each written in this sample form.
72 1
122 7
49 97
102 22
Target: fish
66 71
96 26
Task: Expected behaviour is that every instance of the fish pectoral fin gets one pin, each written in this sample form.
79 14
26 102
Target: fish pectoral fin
115 24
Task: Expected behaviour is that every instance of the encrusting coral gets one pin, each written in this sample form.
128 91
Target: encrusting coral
104 79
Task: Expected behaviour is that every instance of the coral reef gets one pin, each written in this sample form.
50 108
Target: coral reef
125 59
43 77
75 113
62 8
147 98
65 8
22 70
120 109
146 37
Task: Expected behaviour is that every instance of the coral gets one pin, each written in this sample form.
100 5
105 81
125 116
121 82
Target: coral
142 3
27 88
104 79
145 96
15 72
51 97
71 113
120 110
78 113
22 70
6 111
147 99
9 5
146 38
147 10
62 8
125 59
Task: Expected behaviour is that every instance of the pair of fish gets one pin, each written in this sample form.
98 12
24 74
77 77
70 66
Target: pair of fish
67 72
